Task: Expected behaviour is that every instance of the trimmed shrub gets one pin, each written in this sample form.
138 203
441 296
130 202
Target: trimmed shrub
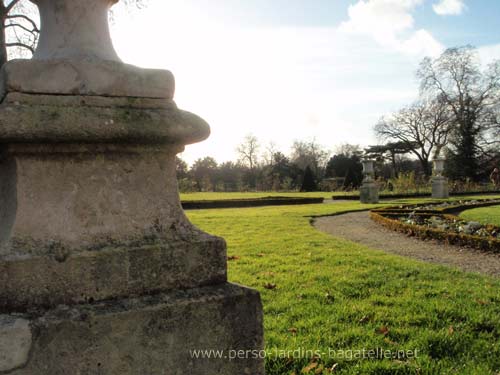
390 218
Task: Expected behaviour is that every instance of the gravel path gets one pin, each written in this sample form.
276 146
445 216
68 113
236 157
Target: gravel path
358 227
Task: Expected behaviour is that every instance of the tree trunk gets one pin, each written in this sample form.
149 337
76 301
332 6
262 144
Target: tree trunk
394 171
426 166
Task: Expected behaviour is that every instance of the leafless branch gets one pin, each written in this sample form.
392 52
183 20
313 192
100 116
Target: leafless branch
22 45
26 18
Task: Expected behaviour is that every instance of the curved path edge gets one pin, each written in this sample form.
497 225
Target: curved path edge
358 227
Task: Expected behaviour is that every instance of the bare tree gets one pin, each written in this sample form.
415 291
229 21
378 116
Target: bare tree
473 97
269 152
18 28
349 150
496 125
423 128
248 151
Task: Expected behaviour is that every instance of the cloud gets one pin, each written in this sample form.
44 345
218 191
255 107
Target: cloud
422 43
449 7
489 53
391 24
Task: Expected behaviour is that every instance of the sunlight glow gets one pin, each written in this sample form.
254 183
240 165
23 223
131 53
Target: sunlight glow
280 83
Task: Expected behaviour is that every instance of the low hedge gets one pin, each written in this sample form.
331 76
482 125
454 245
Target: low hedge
389 218
460 208
354 197
452 208
256 202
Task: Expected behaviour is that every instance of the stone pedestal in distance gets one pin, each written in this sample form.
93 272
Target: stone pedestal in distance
369 190
438 181
369 193
440 188
100 270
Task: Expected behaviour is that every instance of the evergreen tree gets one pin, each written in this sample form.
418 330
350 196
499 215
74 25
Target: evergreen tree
309 181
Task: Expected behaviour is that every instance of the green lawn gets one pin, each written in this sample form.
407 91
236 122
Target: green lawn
332 294
485 215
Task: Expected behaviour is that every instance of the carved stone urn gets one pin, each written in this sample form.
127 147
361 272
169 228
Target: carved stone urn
439 166
100 270
368 170
75 29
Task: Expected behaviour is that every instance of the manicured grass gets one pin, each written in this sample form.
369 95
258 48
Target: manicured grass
485 215
250 195
332 294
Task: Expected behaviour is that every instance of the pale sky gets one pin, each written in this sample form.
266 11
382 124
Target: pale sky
288 70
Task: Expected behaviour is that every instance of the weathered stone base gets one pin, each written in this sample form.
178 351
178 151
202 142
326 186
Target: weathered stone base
153 335
440 188
369 193
111 272
78 197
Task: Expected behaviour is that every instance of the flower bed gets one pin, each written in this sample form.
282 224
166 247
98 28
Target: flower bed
434 221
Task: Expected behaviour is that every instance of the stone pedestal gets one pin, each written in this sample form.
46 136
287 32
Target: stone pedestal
440 187
100 271
167 333
368 191
438 181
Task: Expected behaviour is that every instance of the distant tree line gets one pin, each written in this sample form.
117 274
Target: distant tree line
257 169
308 167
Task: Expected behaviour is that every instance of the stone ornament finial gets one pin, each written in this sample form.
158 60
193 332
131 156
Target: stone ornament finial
75 29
